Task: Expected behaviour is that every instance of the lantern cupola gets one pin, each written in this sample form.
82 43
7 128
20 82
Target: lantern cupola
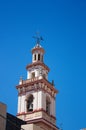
37 54
37 69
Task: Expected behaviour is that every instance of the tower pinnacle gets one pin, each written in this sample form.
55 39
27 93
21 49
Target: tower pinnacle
36 95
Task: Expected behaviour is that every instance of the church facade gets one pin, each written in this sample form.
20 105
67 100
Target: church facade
36 95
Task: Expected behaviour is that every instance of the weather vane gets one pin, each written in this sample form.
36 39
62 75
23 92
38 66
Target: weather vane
38 38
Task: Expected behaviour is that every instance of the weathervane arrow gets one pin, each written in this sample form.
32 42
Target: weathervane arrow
38 38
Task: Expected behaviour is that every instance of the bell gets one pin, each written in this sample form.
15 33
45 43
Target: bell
31 107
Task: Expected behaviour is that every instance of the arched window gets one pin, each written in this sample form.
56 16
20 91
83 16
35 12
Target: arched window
48 105
30 103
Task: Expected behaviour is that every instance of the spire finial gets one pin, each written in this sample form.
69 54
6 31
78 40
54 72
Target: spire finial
38 38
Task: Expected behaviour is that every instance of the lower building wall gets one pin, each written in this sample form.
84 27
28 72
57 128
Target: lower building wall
2 116
46 127
37 126
31 127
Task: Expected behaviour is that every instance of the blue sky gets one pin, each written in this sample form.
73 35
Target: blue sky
62 23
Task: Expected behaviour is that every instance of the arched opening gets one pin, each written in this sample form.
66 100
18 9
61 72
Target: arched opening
38 56
30 103
48 105
33 75
44 76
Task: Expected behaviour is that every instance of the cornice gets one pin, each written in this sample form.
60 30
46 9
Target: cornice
37 63
38 49
36 85
36 110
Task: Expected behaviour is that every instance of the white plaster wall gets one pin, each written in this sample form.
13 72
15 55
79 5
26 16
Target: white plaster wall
44 101
28 75
52 108
35 101
41 57
33 58
23 103
40 99
54 113
36 73
19 104
36 56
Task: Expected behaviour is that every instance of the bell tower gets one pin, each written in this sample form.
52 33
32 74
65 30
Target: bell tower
36 95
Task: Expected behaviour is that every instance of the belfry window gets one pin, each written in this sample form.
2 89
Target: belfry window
30 103
48 105
38 56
